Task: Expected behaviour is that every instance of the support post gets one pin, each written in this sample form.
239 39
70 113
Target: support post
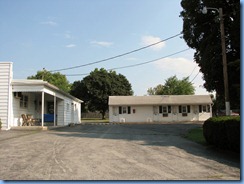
54 111
43 108
227 101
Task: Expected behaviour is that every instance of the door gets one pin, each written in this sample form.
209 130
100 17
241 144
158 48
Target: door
174 113
195 113
155 114
115 115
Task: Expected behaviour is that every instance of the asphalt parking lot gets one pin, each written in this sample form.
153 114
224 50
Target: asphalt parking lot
112 152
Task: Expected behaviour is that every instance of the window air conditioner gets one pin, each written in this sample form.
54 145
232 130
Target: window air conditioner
17 94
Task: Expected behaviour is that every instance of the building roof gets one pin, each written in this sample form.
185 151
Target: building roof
160 100
33 82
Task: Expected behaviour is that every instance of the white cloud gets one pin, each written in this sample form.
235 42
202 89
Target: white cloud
102 43
70 46
50 23
177 66
148 40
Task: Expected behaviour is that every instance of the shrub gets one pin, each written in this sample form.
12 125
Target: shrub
223 132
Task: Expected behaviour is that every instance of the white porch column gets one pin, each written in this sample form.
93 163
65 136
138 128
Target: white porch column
54 119
42 108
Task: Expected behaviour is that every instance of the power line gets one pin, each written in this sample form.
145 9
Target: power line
134 65
117 56
192 71
195 77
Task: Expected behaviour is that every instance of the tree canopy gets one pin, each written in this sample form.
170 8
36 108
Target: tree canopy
95 89
202 33
57 79
173 86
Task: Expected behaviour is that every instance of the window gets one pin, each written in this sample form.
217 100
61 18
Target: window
204 108
124 110
24 101
184 109
165 110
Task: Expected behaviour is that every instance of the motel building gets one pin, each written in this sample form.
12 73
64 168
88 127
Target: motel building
160 108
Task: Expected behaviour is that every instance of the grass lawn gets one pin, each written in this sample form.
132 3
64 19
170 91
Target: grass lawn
94 120
196 135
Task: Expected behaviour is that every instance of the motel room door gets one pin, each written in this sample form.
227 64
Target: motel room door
155 114
174 113
195 113
115 114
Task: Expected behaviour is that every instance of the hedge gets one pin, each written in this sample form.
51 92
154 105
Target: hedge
223 132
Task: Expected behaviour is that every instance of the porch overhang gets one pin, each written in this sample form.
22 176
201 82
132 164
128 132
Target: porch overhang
43 88
32 85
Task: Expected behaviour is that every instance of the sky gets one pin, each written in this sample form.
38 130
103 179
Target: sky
59 34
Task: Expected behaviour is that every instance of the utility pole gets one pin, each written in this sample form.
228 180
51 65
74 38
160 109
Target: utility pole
225 73
227 101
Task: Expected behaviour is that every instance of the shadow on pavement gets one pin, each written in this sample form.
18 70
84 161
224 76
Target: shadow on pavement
152 135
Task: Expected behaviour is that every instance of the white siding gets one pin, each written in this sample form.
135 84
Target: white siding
77 114
67 112
60 112
147 114
5 90
140 114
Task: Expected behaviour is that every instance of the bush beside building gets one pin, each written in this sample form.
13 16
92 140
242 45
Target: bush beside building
223 132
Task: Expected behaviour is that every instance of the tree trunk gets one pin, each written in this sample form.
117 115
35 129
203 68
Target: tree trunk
103 114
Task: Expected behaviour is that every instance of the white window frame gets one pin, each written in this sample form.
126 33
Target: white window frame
124 109
182 109
205 108
165 109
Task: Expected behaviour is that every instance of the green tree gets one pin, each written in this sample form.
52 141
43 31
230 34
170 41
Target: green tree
158 90
57 79
95 89
173 86
202 33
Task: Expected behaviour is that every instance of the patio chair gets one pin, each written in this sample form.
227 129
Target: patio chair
27 121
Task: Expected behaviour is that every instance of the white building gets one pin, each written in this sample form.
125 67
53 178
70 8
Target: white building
157 108
37 98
